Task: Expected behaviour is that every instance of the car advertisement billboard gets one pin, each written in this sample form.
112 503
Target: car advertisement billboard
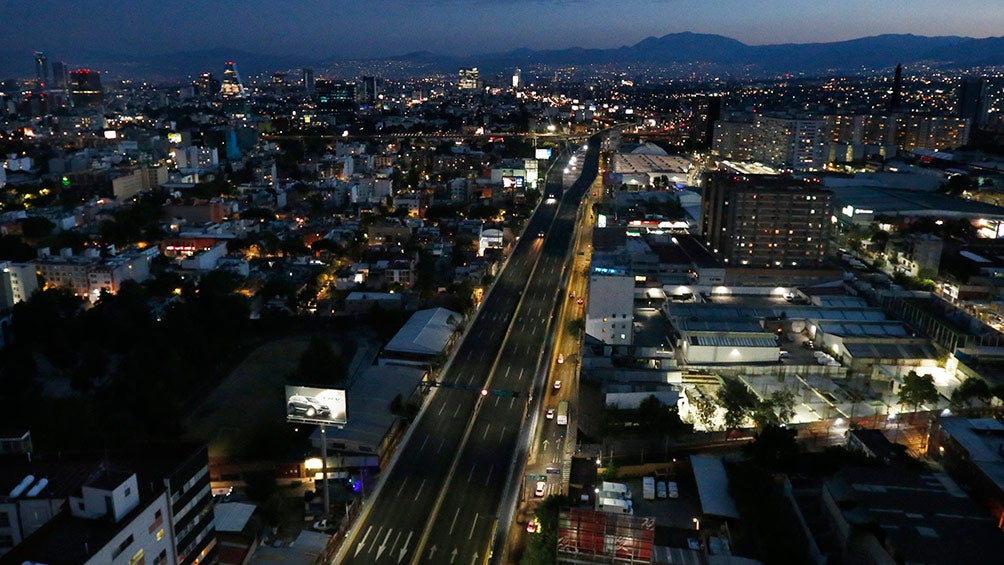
512 182
315 405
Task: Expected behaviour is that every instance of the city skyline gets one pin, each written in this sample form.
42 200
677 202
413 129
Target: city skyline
382 28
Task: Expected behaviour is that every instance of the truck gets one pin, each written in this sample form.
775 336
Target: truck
648 488
562 417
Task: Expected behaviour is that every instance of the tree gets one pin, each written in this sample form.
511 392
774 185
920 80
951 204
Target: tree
973 387
575 326
738 402
917 390
775 410
774 447
319 363
36 227
705 409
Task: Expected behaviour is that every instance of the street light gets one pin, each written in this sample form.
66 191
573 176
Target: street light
697 523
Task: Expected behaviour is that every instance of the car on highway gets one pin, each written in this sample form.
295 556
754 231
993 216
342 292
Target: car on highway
561 358
550 414
540 234
531 527
557 385
580 302
571 294
299 405
539 491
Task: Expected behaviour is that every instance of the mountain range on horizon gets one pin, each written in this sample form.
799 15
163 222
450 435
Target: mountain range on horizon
682 51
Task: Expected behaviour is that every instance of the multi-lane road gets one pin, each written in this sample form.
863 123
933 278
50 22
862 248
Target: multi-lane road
442 500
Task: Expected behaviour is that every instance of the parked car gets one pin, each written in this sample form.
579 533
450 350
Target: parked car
561 358
557 385
550 414
539 491
299 405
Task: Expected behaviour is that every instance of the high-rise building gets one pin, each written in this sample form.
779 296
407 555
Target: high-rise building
85 88
896 99
468 79
766 220
972 99
792 143
231 87
337 98
41 69
59 75
308 79
371 90
516 78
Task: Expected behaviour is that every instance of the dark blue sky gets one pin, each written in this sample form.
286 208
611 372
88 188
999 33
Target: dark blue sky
360 28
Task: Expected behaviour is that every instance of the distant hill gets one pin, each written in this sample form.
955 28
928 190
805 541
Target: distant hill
680 50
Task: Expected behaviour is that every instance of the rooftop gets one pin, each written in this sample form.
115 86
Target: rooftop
427 332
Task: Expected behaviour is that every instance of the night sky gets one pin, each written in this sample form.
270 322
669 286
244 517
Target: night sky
364 28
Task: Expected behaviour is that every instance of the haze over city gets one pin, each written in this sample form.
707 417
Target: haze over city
518 282
378 28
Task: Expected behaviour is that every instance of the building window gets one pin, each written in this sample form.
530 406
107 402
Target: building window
122 546
128 491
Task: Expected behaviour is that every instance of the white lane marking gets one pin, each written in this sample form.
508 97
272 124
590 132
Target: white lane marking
458 408
454 522
441 408
489 477
440 448
401 488
486 430
473 525
424 441
420 487
502 434
471 474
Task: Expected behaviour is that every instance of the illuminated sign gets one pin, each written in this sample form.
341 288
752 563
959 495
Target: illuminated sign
315 405
543 153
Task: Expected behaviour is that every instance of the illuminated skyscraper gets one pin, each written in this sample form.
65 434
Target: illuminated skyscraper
516 78
308 80
41 69
85 88
468 79
232 87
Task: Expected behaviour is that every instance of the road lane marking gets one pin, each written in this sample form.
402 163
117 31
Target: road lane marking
454 522
458 406
424 441
383 546
420 487
404 550
401 488
486 431
489 477
441 408
363 543
440 448
502 434
473 525
396 539
471 474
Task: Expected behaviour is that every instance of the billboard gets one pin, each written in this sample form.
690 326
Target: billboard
315 405
543 153
512 182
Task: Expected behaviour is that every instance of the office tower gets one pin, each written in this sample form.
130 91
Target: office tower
791 143
896 99
207 85
972 99
767 221
516 78
41 69
468 79
336 98
59 75
231 87
85 88
371 90
706 111
308 79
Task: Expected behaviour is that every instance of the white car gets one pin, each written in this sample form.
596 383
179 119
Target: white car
550 414
557 385
561 358
539 491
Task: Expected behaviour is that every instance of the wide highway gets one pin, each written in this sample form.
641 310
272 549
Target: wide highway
440 502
